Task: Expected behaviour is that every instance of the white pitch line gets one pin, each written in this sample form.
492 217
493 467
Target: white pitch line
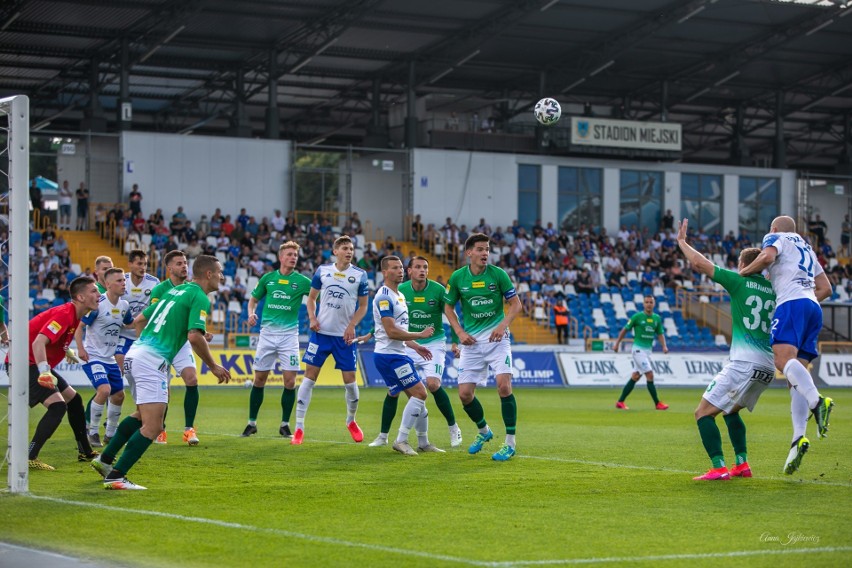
447 558
664 557
277 532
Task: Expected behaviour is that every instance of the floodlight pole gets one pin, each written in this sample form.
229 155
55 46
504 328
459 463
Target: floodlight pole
19 166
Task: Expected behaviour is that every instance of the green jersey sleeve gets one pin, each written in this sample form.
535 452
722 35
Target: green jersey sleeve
260 289
451 296
730 280
198 312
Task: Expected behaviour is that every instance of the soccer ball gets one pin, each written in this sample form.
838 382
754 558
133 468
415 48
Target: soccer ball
548 111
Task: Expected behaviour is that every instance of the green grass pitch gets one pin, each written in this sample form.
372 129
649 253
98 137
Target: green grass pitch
589 485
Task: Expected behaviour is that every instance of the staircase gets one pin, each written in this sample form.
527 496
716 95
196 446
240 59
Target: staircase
86 246
524 328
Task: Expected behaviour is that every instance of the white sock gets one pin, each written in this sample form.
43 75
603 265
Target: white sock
510 440
382 435
303 400
252 422
412 411
799 413
484 430
352 394
113 415
96 412
421 426
802 381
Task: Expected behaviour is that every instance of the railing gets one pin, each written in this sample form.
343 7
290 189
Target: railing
834 347
698 305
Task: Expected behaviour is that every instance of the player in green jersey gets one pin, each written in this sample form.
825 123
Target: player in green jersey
645 325
102 264
751 368
425 300
179 316
184 362
279 333
482 288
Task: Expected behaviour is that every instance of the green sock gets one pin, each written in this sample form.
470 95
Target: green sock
510 412
255 400
444 405
136 446
388 412
652 390
625 392
190 405
288 399
712 439
126 428
737 432
476 413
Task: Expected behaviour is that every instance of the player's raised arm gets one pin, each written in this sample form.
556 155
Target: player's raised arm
762 262
698 261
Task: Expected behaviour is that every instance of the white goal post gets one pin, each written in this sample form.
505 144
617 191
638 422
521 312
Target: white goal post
15 122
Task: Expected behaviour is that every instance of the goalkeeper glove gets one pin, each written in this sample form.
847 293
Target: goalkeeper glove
46 378
71 356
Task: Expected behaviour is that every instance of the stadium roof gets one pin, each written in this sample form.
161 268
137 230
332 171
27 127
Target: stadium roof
203 66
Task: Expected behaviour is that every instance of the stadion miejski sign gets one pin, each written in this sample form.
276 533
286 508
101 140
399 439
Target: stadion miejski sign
587 131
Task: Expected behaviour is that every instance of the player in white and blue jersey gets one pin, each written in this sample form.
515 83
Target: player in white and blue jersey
341 289
138 286
98 351
390 313
800 284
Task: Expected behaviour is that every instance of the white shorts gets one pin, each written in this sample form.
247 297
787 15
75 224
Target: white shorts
148 375
641 361
477 358
184 359
739 383
433 367
272 346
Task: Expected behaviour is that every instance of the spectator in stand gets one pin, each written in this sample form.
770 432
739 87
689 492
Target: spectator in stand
139 224
278 222
178 224
667 222
584 283
82 207
36 200
291 229
482 227
256 266
416 228
227 227
65 197
243 217
252 227
100 218
193 249
48 237
189 233
171 244
827 250
846 237
818 227
238 290
135 200
561 314
203 227
355 223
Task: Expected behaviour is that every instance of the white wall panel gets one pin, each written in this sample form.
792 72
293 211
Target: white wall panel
201 173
